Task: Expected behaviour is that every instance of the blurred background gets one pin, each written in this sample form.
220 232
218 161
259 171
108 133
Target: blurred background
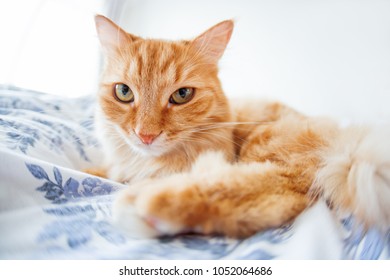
322 57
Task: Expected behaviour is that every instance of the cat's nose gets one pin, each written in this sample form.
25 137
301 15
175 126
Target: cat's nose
147 139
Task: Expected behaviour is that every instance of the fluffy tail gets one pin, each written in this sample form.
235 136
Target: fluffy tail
355 175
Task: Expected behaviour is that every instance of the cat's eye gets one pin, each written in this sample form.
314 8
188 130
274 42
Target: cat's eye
181 96
123 93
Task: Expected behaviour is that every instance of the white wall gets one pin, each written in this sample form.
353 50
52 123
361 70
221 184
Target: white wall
50 45
322 57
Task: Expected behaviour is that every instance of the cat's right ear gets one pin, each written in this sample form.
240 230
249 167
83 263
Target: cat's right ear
111 36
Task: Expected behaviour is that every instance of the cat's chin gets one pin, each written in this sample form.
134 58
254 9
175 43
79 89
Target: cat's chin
148 150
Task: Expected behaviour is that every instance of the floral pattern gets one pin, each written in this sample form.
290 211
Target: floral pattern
50 209
78 224
59 192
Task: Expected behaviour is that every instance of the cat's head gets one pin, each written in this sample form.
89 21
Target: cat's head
160 94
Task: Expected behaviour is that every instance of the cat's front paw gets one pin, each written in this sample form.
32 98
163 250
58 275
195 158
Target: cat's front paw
168 206
126 217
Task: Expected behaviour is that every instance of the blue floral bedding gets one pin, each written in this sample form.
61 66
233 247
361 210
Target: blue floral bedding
50 209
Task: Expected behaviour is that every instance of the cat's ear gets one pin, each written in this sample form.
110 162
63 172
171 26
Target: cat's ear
213 42
111 36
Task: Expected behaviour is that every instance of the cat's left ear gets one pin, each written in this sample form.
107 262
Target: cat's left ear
213 42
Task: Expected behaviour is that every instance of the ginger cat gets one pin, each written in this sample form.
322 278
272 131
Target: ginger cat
196 162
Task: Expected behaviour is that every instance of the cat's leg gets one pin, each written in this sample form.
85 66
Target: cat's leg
218 197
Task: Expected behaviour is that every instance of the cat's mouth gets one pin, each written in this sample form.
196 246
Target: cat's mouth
149 147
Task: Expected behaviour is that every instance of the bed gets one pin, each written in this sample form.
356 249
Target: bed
50 209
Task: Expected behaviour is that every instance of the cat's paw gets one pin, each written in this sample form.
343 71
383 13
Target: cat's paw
126 217
166 206
177 203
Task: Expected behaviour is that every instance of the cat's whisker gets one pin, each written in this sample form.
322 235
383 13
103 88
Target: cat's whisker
207 142
223 137
217 125
239 123
194 137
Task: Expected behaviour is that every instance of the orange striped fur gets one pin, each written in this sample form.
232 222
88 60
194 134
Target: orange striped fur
214 166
